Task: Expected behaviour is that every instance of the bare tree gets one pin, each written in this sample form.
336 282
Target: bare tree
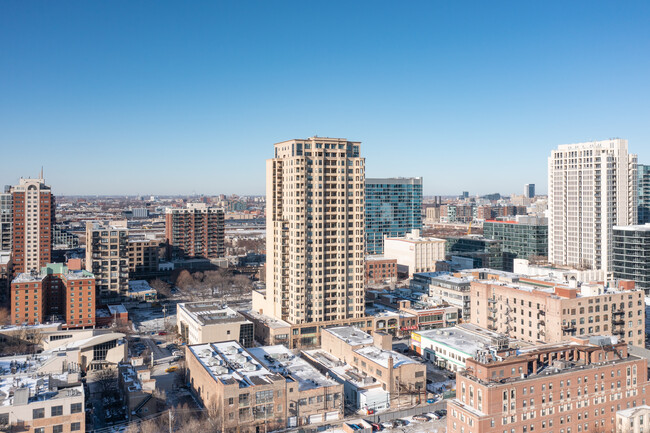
107 380
162 287
5 317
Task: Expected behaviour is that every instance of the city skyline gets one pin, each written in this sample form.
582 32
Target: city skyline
448 92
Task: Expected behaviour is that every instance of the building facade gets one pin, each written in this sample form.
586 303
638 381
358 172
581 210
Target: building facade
33 218
544 311
644 193
525 236
393 208
445 288
195 231
107 258
591 187
315 228
144 256
55 293
529 190
252 390
210 322
576 386
415 253
6 219
631 255
380 270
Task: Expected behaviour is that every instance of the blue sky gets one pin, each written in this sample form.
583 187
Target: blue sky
142 97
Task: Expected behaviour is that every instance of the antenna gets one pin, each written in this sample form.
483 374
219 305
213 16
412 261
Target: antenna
41 172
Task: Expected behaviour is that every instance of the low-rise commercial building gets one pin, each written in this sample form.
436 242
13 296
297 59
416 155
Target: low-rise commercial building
373 356
415 253
211 322
576 385
248 395
450 347
443 287
380 270
137 390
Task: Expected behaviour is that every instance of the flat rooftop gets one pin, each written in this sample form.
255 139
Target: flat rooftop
635 228
210 313
340 369
267 320
463 338
381 356
281 360
18 372
229 363
351 335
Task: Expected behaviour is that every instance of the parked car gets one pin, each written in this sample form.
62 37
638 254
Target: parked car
399 422
440 413
422 418
431 400
171 369
376 426
162 333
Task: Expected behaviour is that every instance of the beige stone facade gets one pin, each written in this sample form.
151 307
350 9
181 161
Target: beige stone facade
107 257
262 388
372 355
315 197
210 322
415 253
539 311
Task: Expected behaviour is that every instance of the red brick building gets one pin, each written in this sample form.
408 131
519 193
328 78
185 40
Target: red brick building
55 293
574 387
33 218
380 270
195 231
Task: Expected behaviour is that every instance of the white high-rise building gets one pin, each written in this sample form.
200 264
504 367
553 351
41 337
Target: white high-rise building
591 188
315 227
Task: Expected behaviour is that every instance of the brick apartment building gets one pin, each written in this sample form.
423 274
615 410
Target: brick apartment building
266 388
550 312
571 387
55 293
380 270
195 231
33 218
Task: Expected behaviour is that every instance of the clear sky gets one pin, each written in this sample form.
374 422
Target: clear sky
161 97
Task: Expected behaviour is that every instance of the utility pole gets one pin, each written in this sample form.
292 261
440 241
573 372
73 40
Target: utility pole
169 412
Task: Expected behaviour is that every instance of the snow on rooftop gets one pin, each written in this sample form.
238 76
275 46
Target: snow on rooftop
351 335
280 360
381 356
229 360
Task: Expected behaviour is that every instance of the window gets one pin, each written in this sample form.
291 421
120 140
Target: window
57 429
38 413
75 408
75 426
39 430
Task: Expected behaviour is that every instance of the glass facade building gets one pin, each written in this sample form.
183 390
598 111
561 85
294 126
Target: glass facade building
644 193
525 237
393 208
631 255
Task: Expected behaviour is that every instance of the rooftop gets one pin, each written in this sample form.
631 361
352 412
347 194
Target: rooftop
341 369
466 338
381 356
636 228
24 372
351 335
137 286
229 363
279 359
267 320
209 313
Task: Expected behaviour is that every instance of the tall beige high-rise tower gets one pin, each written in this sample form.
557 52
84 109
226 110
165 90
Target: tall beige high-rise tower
591 188
315 193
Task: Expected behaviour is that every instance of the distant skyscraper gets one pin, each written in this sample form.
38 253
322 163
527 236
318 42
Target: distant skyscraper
529 190
644 193
465 194
6 219
315 227
196 230
33 218
393 208
591 187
